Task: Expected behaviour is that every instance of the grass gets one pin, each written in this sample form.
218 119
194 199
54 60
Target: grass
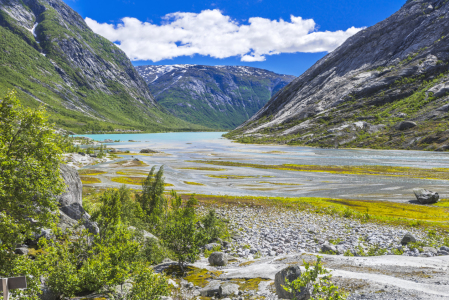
430 216
409 172
193 183
89 180
90 172
133 180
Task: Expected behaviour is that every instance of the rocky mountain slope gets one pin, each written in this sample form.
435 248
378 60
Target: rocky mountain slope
385 87
51 57
219 97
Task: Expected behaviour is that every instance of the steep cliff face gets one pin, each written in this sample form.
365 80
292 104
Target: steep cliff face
214 96
385 87
50 56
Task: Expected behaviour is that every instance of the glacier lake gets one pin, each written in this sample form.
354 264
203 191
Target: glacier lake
181 152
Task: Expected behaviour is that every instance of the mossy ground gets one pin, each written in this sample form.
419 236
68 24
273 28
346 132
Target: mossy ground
248 284
90 172
199 277
193 183
132 180
426 216
409 172
131 163
132 172
89 180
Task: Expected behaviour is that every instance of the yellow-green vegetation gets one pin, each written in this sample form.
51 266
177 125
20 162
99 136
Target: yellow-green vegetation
442 203
432 216
410 172
89 180
248 284
193 183
231 176
132 180
202 169
279 183
199 277
246 263
90 172
131 163
131 172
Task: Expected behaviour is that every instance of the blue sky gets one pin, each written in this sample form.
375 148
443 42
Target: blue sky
143 42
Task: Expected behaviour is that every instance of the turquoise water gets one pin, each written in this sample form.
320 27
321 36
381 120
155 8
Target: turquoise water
171 136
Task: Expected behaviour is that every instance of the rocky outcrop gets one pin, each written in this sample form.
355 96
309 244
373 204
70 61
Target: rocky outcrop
214 96
289 274
394 71
71 202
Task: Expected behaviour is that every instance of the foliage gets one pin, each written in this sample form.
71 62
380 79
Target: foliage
181 234
29 172
317 280
148 285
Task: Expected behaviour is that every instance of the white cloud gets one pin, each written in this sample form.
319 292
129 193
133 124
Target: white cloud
214 34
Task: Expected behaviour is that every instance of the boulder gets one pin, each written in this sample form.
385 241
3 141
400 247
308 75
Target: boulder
228 289
146 234
290 273
404 125
408 238
148 151
426 197
218 259
21 251
328 248
212 289
440 89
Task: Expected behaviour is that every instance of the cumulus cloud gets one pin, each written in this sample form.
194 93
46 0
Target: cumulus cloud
211 33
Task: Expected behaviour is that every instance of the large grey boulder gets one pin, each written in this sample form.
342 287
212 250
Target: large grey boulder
290 273
408 238
228 289
328 248
426 197
218 259
71 202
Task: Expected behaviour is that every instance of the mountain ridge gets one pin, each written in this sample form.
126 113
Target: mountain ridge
219 97
87 83
393 72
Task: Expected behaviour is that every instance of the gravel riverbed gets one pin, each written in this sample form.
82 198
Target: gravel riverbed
273 231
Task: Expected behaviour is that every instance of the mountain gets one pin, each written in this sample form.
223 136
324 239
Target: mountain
385 87
52 58
220 97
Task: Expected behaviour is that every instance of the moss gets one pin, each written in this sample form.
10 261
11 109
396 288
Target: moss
90 172
131 172
193 183
131 163
199 277
246 263
89 180
409 172
132 180
249 284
